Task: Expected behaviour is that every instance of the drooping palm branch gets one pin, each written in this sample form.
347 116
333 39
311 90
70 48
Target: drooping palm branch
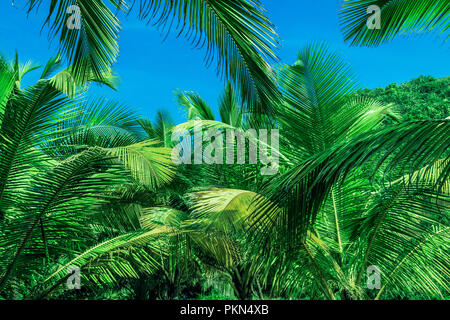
237 34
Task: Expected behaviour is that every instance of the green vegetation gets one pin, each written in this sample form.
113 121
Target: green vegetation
424 98
363 176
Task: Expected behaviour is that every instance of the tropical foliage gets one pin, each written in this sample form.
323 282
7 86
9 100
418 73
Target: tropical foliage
362 182
423 98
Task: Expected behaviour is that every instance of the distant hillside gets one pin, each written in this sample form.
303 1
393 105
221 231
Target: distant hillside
421 98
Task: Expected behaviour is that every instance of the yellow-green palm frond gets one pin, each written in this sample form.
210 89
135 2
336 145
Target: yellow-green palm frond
150 165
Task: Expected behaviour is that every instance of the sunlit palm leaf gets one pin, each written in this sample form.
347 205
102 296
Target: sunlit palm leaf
195 106
226 210
128 255
67 186
150 165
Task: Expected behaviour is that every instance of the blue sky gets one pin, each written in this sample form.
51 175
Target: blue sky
151 70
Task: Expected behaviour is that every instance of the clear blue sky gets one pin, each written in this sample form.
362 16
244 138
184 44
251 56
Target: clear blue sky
151 70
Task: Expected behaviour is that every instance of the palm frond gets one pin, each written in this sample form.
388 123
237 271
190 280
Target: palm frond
229 108
236 33
31 119
93 47
68 186
7 78
98 123
196 108
406 227
225 210
126 256
399 17
150 165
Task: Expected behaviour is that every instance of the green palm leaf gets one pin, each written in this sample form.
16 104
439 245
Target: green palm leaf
73 185
7 78
229 108
31 119
128 255
195 106
237 33
92 48
150 165
398 17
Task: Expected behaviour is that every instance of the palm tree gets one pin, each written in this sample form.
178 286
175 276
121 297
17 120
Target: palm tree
60 158
397 18
90 183
319 196
326 221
